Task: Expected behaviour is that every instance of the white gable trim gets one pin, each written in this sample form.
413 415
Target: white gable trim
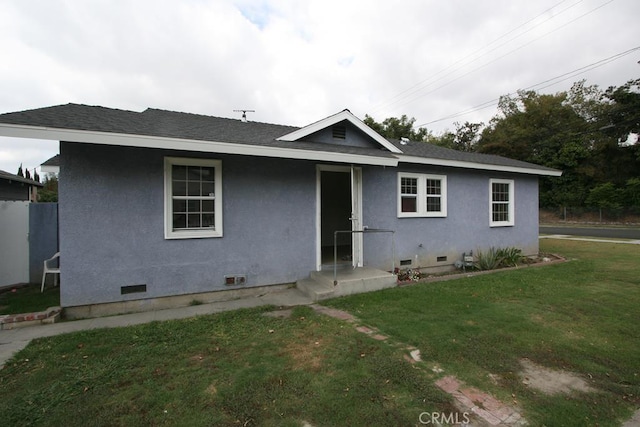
144 141
474 165
337 118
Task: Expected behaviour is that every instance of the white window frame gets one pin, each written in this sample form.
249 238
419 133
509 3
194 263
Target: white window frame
510 204
216 230
421 202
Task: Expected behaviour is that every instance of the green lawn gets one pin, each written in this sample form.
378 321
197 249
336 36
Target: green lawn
581 316
232 369
242 368
27 299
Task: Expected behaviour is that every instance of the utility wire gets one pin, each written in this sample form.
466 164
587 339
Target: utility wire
551 81
506 54
417 87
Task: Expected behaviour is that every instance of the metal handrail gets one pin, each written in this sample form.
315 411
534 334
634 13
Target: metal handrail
366 230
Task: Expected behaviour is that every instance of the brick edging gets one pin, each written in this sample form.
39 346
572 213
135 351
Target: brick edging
10 321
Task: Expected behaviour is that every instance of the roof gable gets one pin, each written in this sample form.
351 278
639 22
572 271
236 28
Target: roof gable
344 115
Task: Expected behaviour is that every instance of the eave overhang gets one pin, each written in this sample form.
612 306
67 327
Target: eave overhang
145 141
476 165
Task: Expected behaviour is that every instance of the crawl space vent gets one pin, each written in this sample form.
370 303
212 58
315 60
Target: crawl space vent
132 289
235 280
441 259
405 262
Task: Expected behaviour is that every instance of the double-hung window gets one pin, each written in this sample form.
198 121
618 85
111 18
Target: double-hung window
193 198
421 195
502 206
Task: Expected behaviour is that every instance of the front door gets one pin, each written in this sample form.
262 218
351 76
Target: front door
339 208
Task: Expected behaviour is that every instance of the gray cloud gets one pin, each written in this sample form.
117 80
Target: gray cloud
297 62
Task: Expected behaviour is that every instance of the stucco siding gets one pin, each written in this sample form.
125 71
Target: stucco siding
465 228
112 225
111 215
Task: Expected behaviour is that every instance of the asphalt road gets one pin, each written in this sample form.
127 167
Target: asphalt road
611 233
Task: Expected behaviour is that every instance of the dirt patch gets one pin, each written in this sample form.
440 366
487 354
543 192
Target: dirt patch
551 381
306 353
279 314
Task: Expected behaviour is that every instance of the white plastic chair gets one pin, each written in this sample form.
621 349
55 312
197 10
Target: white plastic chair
51 270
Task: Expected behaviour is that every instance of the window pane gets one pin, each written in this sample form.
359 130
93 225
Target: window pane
500 212
207 189
194 188
434 186
208 220
194 221
194 173
193 206
409 185
207 206
433 204
409 204
208 174
179 172
500 192
179 221
179 188
179 206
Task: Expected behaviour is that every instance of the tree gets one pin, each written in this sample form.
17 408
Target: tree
49 193
546 130
396 128
20 173
623 116
464 138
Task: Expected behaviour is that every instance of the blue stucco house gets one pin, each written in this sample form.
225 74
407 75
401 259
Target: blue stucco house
159 207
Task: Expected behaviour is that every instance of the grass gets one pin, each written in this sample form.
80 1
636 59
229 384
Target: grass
232 369
27 299
579 316
242 368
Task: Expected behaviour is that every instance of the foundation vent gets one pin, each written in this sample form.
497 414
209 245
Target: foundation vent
441 258
133 289
235 280
405 262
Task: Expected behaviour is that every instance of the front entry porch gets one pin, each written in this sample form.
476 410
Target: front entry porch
320 284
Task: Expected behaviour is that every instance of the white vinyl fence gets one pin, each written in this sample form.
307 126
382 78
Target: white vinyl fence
14 242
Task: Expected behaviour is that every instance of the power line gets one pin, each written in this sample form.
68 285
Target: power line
506 54
552 81
417 87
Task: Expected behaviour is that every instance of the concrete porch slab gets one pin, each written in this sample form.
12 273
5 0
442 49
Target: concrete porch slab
320 284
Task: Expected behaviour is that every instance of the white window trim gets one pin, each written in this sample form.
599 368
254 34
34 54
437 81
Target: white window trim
169 233
422 196
512 211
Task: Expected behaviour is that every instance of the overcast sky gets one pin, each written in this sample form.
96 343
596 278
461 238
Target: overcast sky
296 62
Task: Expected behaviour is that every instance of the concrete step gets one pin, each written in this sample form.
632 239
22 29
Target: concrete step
320 284
316 290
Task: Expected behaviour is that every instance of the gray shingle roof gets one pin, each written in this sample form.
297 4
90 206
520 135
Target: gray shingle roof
171 124
422 149
54 161
11 177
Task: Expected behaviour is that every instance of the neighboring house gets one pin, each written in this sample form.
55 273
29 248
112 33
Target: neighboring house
165 204
16 187
52 165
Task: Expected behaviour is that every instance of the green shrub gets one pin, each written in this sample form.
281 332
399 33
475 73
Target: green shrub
510 257
497 258
487 260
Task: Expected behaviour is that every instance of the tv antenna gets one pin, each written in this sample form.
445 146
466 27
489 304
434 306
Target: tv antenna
244 113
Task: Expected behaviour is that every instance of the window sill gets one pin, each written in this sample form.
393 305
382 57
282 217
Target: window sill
192 235
500 224
422 215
